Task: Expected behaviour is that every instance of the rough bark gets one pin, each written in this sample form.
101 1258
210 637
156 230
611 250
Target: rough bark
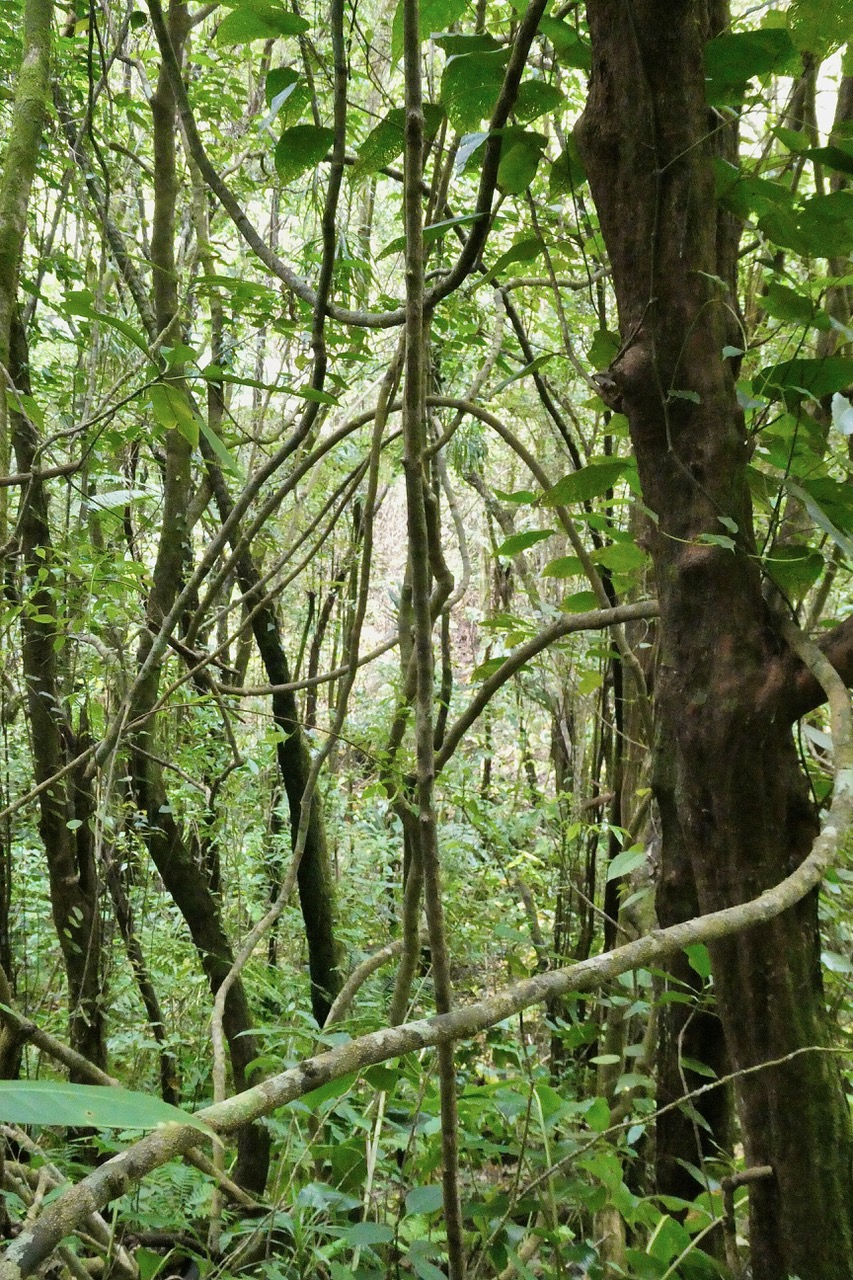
740 811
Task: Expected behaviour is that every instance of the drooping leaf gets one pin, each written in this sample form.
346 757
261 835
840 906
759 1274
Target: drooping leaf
821 519
699 959
431 233
258 20
362 1234
621 557
54 1102
570 49
79 302
589 482
470 86
521 151
226 458
301 147
173 411
563 567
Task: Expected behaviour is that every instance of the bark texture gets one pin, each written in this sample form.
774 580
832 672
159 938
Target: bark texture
734 805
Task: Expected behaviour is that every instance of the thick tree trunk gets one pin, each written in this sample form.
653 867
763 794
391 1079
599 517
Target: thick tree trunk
735 805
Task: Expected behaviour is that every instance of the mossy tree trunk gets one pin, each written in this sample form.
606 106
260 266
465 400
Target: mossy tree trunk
734 803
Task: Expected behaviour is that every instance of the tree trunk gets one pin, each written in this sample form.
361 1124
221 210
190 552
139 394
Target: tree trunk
735 806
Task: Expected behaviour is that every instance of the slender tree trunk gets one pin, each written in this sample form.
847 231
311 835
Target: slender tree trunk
66 808
735 805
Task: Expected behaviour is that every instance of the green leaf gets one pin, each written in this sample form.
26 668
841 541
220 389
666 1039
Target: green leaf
172 410
535 97
621 557
537 363
794 569
793 379
431 233
258 20
368 1233
733 59
563 567
301 148
787 304
79 302
424 1199
567 171
597 1114
521 541
521 151
624 863
580 601
226 459
522 251
699 959
603 349
54 1102
470 86
590 482
571 51
386 140
820 518
277 81
819 28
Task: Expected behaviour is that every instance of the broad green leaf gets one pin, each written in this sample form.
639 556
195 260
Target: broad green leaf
301 148
624 863
453 42
368 1233
570 49
172 410
535 97
523 251
580 601
792 379
597 1114
386 140
422 1267
258 20
567 171
521 541
277 80
590 482
470 86
794 569
521 151
621 557
328 1092
603 349
563 567
785 303
733 59
54 1102
699 959
819 28
424 1199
